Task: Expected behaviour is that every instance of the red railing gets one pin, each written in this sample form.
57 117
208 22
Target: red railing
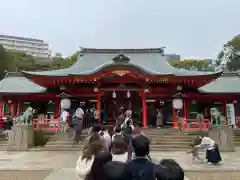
237 121
192 124
52 124
1 122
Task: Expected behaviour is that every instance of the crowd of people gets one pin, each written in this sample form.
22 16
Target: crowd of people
122 156
125 154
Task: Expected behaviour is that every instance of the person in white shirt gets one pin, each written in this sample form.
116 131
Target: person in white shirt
119 150
212 152
85 161
63 122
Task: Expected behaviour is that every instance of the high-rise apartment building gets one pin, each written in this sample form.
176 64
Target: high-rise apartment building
35 47
171 58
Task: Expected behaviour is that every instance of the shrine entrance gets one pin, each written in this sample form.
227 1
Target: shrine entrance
123 99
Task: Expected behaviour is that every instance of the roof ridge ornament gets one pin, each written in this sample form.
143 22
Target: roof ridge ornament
121 58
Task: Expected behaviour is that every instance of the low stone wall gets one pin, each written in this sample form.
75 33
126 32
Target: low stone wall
21 137
223 136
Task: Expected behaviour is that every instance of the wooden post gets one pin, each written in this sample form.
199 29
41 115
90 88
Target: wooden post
175 121
144 110
99 107
57 114
225 112
12 109
19 107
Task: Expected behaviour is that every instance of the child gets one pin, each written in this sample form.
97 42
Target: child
194 152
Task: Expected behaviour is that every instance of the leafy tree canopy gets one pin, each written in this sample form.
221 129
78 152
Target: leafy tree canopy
230 54
192 64
14 61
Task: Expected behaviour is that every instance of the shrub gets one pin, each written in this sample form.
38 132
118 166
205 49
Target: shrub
40 138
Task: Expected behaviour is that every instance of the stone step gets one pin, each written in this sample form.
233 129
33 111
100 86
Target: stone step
149 136
79 148
3 142
187 143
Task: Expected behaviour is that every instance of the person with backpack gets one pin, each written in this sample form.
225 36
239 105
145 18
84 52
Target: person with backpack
117 135
127 128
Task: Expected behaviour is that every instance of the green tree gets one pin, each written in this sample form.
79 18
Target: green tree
230 54
60 63
20 61
5 63
192 64
75 56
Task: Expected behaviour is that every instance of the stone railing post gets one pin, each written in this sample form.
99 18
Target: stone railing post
223 136
21 138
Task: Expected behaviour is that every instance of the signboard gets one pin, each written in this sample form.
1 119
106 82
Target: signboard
231 114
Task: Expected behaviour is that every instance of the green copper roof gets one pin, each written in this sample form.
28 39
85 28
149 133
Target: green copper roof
15 83
150 61
227 83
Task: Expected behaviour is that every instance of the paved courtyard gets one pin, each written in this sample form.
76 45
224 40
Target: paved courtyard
40 165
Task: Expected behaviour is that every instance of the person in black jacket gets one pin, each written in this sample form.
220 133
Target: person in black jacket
140 168
168 169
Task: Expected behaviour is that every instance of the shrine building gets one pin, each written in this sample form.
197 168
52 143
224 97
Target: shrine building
140 79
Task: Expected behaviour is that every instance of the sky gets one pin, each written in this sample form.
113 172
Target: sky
190 28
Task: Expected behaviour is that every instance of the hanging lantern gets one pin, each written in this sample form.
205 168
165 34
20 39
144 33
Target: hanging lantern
65 103
177 103
234 102
146 90
114 94
62 88
128 94
179 88
95 90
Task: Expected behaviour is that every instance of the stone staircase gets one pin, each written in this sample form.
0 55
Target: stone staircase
61 142
161 140
3 143
236 137
168 139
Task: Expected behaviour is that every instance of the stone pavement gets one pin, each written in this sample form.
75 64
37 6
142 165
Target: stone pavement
58 165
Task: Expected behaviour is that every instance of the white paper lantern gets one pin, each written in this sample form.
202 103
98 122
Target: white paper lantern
65 104
177 103
114 95
128 94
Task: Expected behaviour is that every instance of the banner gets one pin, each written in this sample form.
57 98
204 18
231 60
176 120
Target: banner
231 114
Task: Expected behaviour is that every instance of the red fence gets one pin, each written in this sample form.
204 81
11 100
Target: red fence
1 122
52 124
192 124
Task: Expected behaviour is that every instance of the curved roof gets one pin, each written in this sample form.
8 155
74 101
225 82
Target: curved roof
229 82
15 83
150 61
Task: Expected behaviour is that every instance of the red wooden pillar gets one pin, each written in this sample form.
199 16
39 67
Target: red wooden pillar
225 112
12 109
57 115
19 107
144 110
175 120
57 110
99 107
